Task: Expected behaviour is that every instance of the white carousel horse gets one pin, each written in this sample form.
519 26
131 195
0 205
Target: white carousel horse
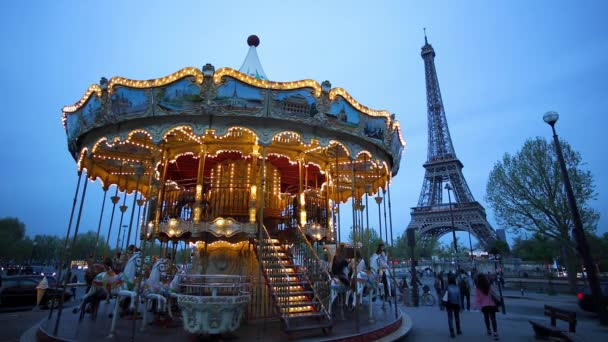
154 287
173 287
128 288
363 281
109 283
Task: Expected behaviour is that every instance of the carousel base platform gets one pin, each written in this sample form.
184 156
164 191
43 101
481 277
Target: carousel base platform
384 327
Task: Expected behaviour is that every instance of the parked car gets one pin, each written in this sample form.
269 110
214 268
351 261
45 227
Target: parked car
21 291
585 299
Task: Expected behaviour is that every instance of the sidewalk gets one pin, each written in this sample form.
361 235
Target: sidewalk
430 324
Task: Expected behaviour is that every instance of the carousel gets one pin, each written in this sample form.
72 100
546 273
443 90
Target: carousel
247 172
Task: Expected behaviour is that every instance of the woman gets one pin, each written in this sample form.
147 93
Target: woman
339 264
483 300
452 305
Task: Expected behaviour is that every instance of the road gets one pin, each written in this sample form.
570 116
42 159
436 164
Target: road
15 321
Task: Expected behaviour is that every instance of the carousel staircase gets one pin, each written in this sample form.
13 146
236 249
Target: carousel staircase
293 294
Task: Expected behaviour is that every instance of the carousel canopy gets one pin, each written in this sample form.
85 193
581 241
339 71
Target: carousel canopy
122 131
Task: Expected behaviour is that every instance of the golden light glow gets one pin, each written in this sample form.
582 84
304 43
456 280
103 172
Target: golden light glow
199 192
254 192
345 95
252 215
303 217
93 89
220 73
157 82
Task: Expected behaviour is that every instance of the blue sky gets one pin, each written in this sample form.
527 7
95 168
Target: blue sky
501 65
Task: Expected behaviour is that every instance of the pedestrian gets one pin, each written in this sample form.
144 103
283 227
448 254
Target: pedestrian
465 290
484 301
439 288
452 305
73 289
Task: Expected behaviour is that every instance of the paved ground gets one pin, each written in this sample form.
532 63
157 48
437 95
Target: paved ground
430 324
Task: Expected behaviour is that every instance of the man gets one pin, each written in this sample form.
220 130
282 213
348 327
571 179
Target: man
465 290
439 288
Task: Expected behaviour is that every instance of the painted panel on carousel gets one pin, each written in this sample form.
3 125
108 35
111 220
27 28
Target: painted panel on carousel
299 102
396 150
73 125
234 95
375 128
343 113
181 95
91 113
129 102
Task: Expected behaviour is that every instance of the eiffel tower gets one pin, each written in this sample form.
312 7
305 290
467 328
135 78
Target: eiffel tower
432 216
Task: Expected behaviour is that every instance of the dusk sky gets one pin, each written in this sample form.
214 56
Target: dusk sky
501 65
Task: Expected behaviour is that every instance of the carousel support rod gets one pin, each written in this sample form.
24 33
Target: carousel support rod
138 171
115 200
161 191
103 205
69 259
260 225
122 215
67 237
385 222
378 201
144 250
366 211
390 215
140 202
354 209
337 196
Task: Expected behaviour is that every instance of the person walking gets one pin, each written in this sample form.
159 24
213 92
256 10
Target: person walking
452 305
484 301
439 286
465 290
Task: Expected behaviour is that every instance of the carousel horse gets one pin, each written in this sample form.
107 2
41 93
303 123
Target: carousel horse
364 282
101 280
155 289
173 288
93 269
127 288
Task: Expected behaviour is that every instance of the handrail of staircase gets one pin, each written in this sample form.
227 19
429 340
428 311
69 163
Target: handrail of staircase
283 292
316 271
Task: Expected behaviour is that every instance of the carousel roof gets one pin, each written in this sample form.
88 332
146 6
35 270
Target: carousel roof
121 123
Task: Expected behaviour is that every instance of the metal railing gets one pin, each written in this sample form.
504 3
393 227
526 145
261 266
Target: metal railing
316 271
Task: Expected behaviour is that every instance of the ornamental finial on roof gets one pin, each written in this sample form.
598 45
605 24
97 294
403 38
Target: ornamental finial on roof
252 66
253 40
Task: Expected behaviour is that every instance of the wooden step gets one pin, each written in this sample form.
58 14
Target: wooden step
310 326
286 274
295 293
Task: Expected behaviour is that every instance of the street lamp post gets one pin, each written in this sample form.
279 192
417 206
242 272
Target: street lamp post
578 232
471 250
449 188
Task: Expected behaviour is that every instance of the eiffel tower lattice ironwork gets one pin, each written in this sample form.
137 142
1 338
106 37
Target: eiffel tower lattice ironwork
432 217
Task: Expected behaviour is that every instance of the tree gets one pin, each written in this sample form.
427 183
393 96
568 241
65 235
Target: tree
537 248
12 248
369 240
527 193
425 248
